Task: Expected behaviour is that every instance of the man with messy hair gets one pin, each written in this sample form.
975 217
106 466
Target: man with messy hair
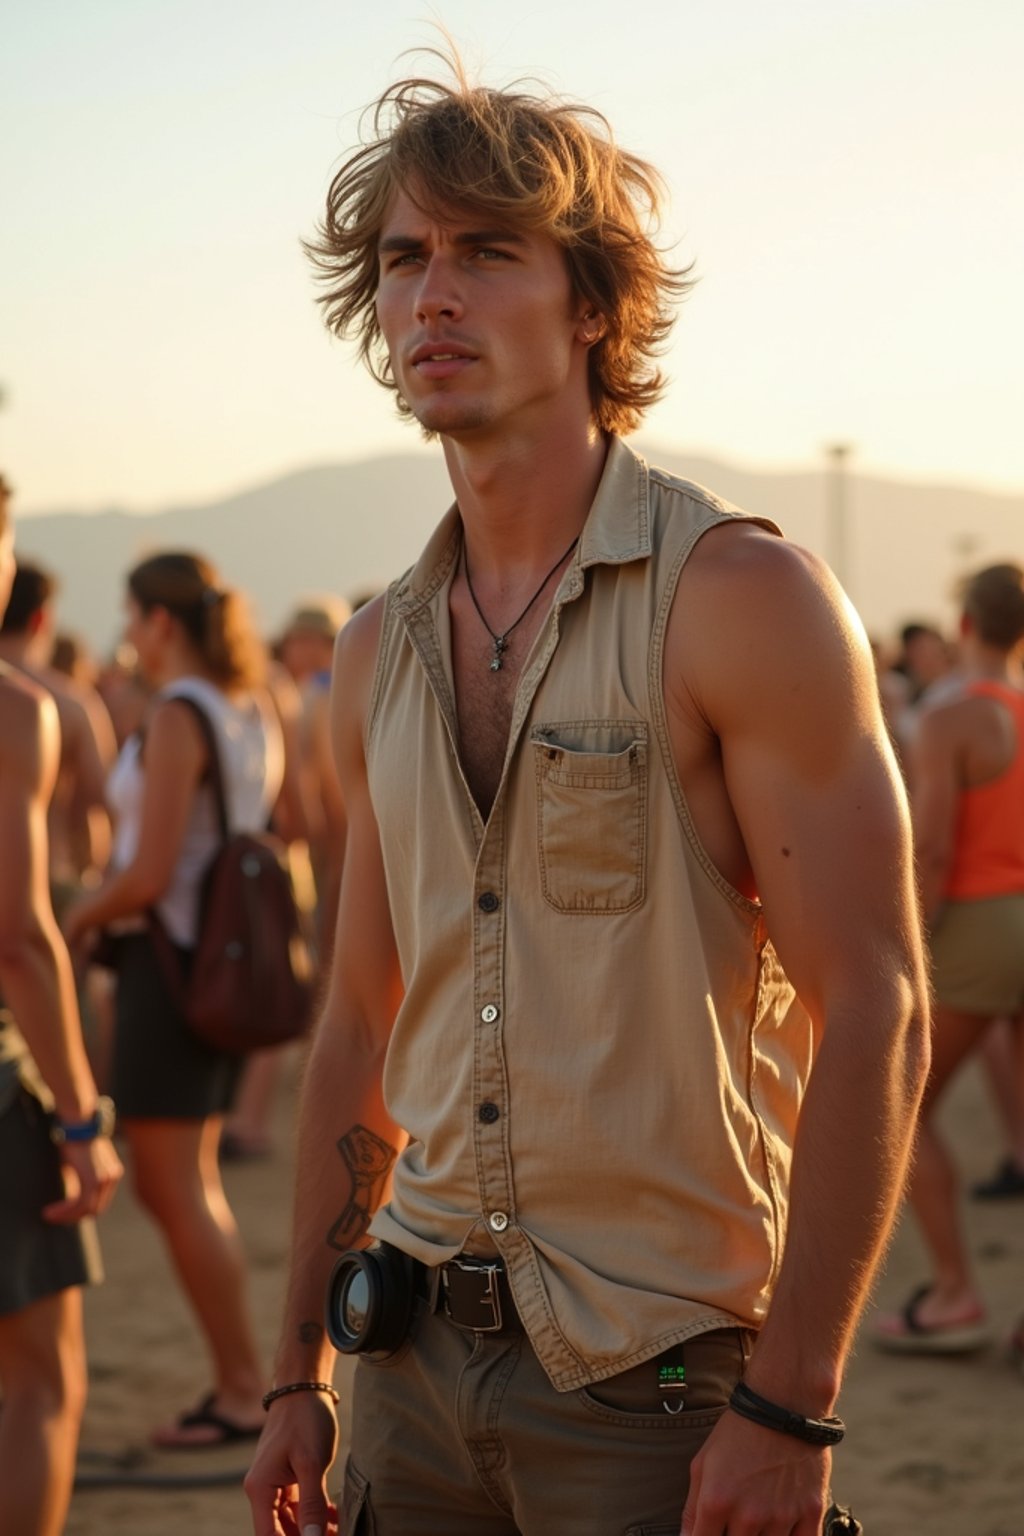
609 1109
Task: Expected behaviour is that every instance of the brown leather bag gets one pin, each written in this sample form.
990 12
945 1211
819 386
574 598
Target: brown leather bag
250 983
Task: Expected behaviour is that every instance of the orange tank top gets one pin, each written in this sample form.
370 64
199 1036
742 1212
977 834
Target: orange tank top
988 858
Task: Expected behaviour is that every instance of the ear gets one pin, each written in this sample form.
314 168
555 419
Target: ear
161 619
590 326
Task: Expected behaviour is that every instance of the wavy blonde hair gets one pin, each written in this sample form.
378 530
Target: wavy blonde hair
534 163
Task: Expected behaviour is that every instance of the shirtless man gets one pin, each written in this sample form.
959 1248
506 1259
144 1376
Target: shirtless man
54 1170
614 770
79 826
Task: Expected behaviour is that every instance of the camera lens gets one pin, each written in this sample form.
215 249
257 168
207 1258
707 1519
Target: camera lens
370 1301
354 1302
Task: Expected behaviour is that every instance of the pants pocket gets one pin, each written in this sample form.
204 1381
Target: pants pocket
688 1385
355 1517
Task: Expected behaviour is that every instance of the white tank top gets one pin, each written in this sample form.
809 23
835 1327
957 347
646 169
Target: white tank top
252 766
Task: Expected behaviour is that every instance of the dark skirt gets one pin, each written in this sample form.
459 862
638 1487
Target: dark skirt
161 1071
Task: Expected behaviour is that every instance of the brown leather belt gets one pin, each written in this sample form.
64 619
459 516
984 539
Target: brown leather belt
472 1293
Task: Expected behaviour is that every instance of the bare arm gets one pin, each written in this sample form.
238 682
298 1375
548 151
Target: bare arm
787 688
937 781
96 750
294 816
175 756
35 972
334 828
342 1115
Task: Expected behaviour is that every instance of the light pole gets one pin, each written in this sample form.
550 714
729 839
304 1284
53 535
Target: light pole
837 529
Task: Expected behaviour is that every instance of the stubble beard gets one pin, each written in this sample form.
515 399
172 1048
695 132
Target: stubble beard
452 419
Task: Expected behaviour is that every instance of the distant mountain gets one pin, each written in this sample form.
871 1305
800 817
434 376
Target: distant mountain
343 527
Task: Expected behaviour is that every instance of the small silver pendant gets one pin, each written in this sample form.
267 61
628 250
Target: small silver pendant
495 663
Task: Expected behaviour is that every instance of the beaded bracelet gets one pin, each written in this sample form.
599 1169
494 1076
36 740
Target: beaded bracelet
301 1386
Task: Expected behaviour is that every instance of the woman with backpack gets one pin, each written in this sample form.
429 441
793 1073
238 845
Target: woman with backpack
196 650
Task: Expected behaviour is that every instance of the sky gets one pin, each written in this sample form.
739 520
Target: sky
846 175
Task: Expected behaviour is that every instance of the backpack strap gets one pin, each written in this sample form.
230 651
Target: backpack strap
213 755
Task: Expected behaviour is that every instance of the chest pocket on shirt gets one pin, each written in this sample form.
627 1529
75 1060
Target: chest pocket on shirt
591 778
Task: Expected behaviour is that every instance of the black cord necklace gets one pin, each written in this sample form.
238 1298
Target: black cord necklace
501 641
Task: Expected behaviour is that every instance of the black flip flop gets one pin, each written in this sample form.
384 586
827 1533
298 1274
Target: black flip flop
921 1339
205 1416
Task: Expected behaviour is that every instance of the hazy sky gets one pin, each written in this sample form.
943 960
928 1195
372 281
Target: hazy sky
847 175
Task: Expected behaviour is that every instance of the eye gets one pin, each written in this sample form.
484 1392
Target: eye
491 253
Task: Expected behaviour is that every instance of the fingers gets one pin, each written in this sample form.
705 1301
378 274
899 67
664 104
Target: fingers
91 1172
273 1509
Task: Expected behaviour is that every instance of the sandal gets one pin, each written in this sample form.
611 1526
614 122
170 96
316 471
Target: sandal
904 1333
1007 1183
226 1431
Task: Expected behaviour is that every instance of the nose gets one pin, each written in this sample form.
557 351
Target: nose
438 295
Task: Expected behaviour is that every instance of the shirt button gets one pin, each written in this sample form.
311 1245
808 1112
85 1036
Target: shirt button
488 1112
489 1014
498 1221
488 902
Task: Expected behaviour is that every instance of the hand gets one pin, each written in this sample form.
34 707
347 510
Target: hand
77 921
287 1483
92 1172
749 1481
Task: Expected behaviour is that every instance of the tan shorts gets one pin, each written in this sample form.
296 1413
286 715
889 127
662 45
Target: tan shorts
978 956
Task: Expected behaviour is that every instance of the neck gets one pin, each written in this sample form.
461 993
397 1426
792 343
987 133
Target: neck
17 649
522 502
177 664
985 661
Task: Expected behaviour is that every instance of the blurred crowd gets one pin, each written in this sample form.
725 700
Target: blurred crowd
109 820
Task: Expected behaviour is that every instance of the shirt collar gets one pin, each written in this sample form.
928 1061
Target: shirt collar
617 529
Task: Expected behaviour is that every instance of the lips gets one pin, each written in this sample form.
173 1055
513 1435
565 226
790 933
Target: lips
437 359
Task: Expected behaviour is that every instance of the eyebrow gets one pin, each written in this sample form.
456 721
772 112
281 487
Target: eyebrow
464 237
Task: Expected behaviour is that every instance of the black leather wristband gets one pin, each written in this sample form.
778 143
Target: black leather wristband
300 1386
751 1405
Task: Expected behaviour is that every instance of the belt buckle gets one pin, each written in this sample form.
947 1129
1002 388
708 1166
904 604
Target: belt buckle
486 1294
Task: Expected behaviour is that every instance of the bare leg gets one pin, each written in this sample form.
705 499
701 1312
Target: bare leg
933 1192
177 1179
43 1373
1016 1120
1001 1056
247 1128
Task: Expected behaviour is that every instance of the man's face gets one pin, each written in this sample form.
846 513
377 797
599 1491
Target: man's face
305 652
480 321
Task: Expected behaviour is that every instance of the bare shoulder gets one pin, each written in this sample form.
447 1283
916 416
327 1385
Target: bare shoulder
760 623
29 728
355 650
355 662
955 721
756 573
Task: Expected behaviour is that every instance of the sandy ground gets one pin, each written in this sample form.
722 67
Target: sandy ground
933 1445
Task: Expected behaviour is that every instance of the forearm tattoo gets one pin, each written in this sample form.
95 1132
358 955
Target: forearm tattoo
369 1160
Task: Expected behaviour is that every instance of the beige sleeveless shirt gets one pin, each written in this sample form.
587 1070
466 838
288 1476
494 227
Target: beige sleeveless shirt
598 1059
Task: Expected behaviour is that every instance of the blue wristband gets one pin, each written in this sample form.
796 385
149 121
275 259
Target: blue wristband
99 1123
